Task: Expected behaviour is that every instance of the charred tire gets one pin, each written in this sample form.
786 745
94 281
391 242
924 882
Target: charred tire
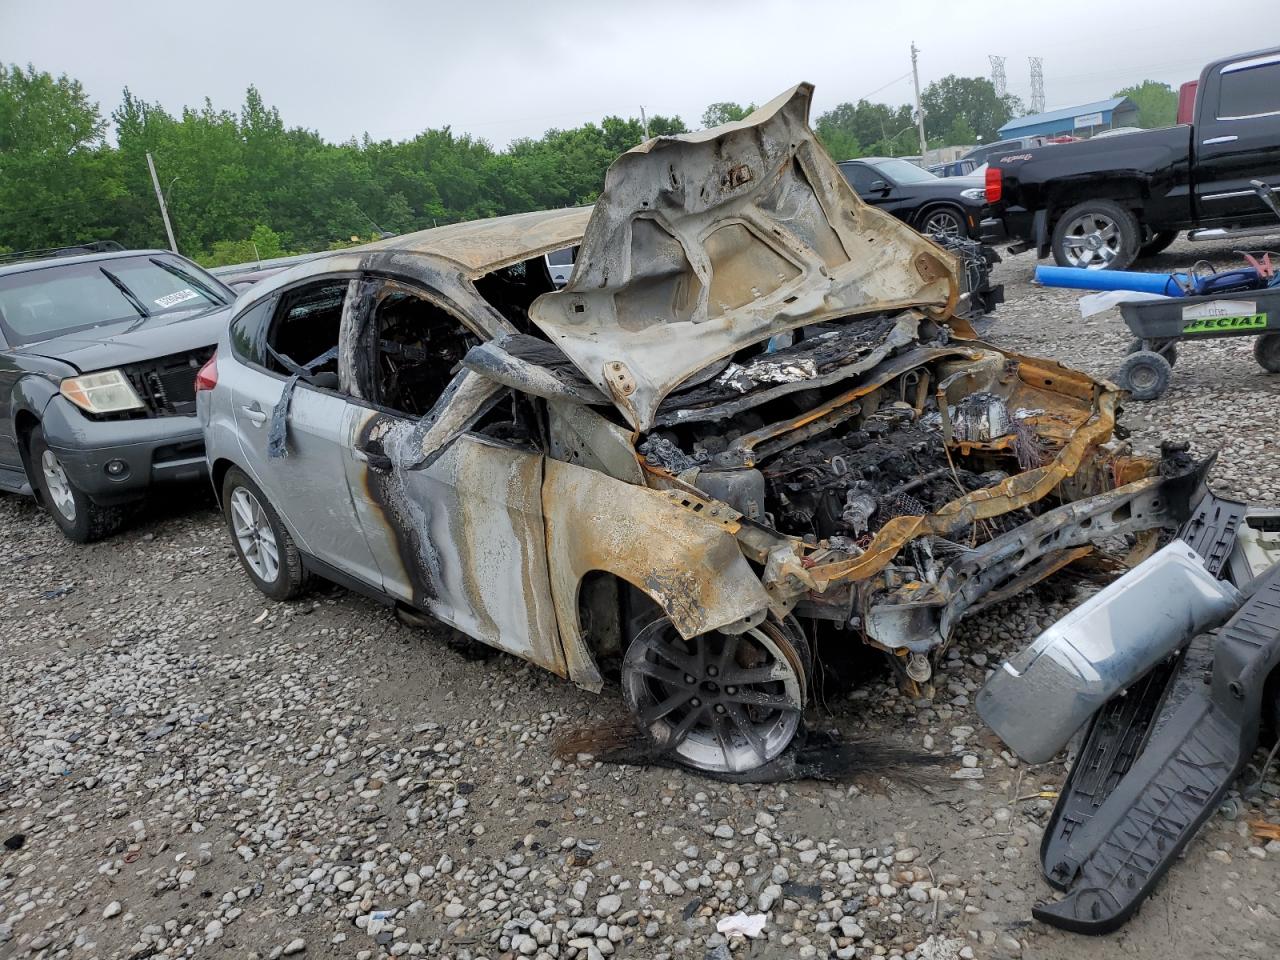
724 703
1096 235
1166 348
78 517
266 551
1266 350
1158 243
946 221
1145 375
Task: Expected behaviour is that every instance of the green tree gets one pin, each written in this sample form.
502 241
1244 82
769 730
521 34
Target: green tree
718 114
970 100
1157 103
867 129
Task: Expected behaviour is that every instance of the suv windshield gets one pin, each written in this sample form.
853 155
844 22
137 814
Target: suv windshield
61 298
902 171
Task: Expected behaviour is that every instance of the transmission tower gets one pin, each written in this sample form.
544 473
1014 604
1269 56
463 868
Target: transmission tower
1037 84
997 74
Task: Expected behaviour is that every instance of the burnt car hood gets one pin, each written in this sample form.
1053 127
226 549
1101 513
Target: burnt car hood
129 341
705 243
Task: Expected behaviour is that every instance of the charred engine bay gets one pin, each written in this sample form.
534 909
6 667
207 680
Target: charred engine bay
836 458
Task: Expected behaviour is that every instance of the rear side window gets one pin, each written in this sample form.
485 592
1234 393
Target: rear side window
249 332
1249 88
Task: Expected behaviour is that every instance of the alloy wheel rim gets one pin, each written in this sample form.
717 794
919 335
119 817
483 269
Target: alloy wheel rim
59 487
1092 241
721 702
254 536
942 225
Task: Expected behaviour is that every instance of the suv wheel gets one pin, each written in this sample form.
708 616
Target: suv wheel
78 517
262 543
944 222
1097 235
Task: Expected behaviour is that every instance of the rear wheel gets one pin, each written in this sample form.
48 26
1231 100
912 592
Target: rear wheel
726 703
1097 235
262 543
78 517
1266 350
1145 375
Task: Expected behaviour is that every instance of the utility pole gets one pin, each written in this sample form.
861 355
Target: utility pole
164 211
644 122
915 78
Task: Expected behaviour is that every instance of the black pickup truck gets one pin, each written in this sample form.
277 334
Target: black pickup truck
1103 203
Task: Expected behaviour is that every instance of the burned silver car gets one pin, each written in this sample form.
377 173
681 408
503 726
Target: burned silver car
752 414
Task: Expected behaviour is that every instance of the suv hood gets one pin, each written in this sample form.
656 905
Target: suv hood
705 243
129 341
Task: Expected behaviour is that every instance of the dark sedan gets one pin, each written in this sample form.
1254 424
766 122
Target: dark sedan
951 206
98 362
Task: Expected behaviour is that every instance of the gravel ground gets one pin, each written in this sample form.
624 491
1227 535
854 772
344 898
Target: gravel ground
189 771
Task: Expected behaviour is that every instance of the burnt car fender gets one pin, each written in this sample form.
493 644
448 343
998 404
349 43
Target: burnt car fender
677 549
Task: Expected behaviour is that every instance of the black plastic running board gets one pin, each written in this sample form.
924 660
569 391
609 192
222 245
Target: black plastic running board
1111 861
1118 733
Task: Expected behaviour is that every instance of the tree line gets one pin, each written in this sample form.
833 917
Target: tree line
241 185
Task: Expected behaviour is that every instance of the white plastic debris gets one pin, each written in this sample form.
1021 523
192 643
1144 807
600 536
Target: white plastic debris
748 925
1092 303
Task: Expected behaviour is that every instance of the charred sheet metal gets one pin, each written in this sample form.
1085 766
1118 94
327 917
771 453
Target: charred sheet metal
469 535
723 238
491 360
677 548
583 437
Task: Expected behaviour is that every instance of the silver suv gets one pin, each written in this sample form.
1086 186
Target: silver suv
752 416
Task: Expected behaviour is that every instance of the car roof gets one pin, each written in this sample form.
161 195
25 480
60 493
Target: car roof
27 266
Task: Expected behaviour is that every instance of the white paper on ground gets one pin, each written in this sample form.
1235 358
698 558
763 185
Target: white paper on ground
748 925
1106 299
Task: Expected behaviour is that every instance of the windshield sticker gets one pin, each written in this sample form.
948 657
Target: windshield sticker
178 296
1257 321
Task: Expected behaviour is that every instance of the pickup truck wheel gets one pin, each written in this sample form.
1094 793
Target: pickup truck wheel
1097 235
78 517
1145 375
266 551
1266 350
1158 242
1166 348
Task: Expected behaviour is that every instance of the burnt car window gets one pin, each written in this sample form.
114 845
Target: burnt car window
305 327
417 347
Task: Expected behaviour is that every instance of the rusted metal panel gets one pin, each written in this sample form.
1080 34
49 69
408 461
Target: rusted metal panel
719 239
667 544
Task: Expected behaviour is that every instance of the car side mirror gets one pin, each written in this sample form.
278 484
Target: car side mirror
879 186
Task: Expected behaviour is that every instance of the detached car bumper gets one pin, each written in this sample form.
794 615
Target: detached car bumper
114 461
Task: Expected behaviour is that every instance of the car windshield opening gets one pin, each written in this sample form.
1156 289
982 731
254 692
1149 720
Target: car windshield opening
903 171
63 298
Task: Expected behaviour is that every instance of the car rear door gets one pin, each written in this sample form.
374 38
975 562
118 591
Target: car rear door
463 537
1237 140
308 484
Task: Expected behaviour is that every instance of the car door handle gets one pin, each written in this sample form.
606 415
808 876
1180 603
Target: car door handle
1212 140
256 415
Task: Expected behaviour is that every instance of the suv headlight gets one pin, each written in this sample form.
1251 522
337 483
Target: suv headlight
974 193
105 392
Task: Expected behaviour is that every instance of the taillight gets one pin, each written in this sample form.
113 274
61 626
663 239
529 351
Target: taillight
207 377
994 185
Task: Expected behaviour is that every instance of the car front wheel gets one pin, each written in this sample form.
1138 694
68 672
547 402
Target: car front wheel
943 222
78 517
726 703
266 551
